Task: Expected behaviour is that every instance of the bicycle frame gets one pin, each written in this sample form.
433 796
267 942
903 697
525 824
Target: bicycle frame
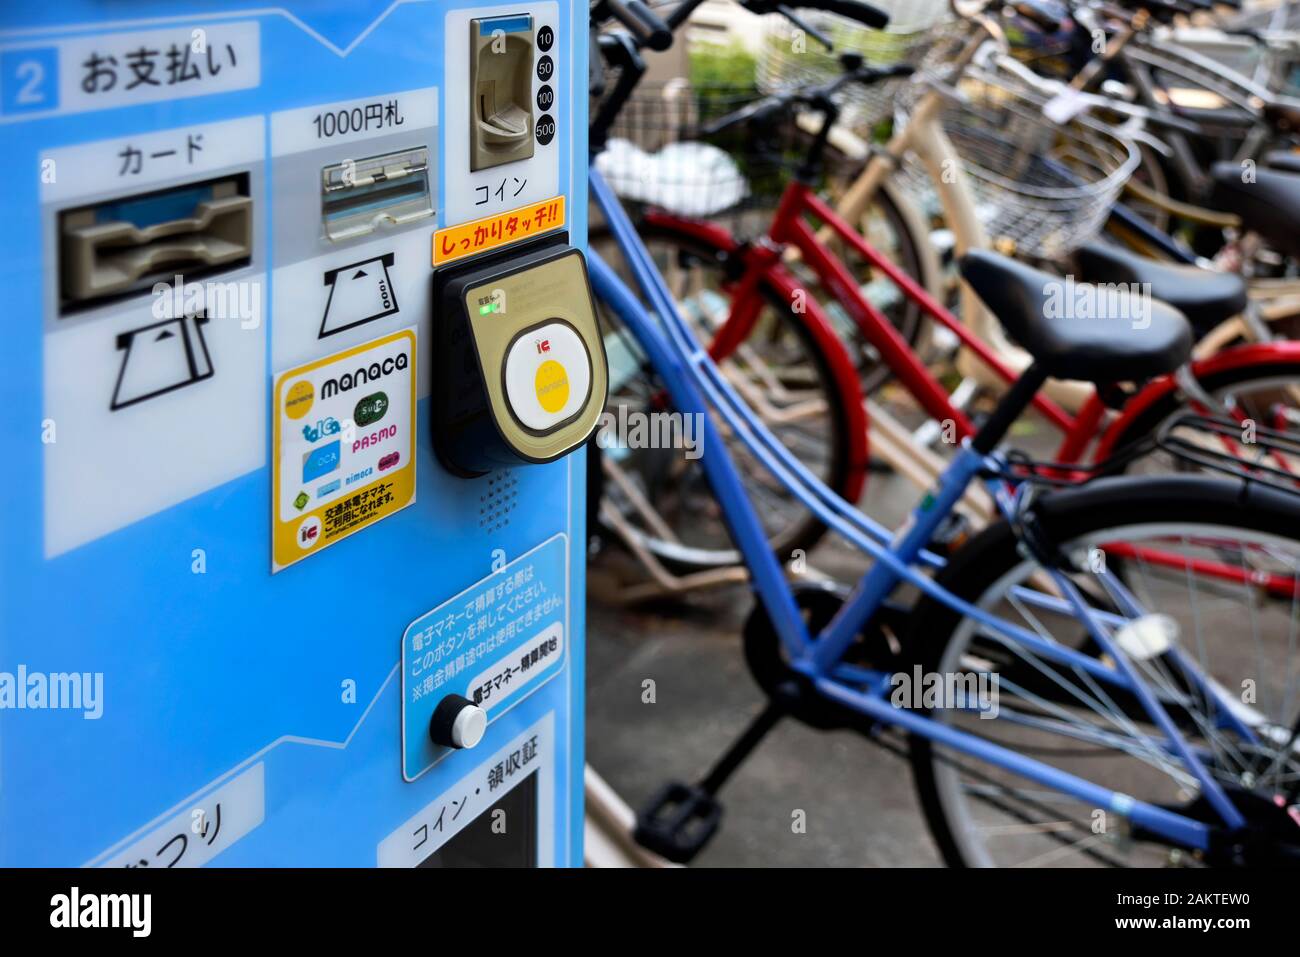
763 264
997 361
696 385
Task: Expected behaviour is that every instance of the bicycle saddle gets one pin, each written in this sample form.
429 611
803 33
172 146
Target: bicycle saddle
1078 330
1268 202
1284 161
1204 296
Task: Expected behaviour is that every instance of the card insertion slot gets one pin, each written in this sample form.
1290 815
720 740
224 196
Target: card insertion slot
126 244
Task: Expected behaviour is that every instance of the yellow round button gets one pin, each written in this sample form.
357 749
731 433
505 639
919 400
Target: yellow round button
552 385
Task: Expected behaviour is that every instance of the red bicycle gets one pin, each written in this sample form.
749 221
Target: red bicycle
747 281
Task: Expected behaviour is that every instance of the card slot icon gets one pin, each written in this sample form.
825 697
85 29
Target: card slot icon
160 358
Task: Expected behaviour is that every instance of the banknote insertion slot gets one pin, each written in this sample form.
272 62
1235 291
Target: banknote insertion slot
359 196
124 245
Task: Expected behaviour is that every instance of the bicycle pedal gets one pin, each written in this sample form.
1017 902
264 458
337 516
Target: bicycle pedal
678 821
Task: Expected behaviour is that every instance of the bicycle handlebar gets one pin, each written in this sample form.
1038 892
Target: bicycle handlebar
818 97
1047 15
638 19
856 10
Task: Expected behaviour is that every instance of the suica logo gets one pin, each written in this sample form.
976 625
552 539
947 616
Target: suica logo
74 909
364 374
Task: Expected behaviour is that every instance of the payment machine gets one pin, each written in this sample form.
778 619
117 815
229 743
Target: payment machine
299 359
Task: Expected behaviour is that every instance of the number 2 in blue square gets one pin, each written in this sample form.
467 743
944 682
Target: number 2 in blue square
29 80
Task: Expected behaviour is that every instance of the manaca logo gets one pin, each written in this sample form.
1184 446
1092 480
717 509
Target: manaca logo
363 374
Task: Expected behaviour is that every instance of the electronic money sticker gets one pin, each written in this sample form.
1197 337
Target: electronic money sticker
343 446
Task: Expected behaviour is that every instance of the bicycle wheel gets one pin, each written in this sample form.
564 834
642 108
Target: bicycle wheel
661 494
1239 635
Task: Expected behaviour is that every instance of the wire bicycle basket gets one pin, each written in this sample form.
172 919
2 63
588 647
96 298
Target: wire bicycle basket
1240 449
919 33
1042 187
658 154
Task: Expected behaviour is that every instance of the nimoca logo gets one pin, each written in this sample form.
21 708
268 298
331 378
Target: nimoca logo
75 909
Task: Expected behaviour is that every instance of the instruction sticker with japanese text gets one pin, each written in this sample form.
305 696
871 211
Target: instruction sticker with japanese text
344 445
495 643
493 232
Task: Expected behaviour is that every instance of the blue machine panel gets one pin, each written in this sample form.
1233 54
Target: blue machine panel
200 199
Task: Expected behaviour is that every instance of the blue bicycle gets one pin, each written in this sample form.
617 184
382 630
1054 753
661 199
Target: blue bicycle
1107 675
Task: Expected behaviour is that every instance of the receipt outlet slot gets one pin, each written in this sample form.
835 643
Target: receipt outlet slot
520 366
501 85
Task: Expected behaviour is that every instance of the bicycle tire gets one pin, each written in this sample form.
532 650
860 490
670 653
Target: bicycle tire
1101 506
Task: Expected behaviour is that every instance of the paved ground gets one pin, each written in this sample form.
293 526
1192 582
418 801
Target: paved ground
857 796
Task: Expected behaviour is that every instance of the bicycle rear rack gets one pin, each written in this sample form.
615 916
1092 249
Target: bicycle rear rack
1185 438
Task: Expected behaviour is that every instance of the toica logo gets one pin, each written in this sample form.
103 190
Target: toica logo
364 374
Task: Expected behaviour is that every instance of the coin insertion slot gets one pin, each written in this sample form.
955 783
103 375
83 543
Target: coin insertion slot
501 85
360 196
124 245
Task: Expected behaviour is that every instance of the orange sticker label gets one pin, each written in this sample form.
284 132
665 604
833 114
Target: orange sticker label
481 235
